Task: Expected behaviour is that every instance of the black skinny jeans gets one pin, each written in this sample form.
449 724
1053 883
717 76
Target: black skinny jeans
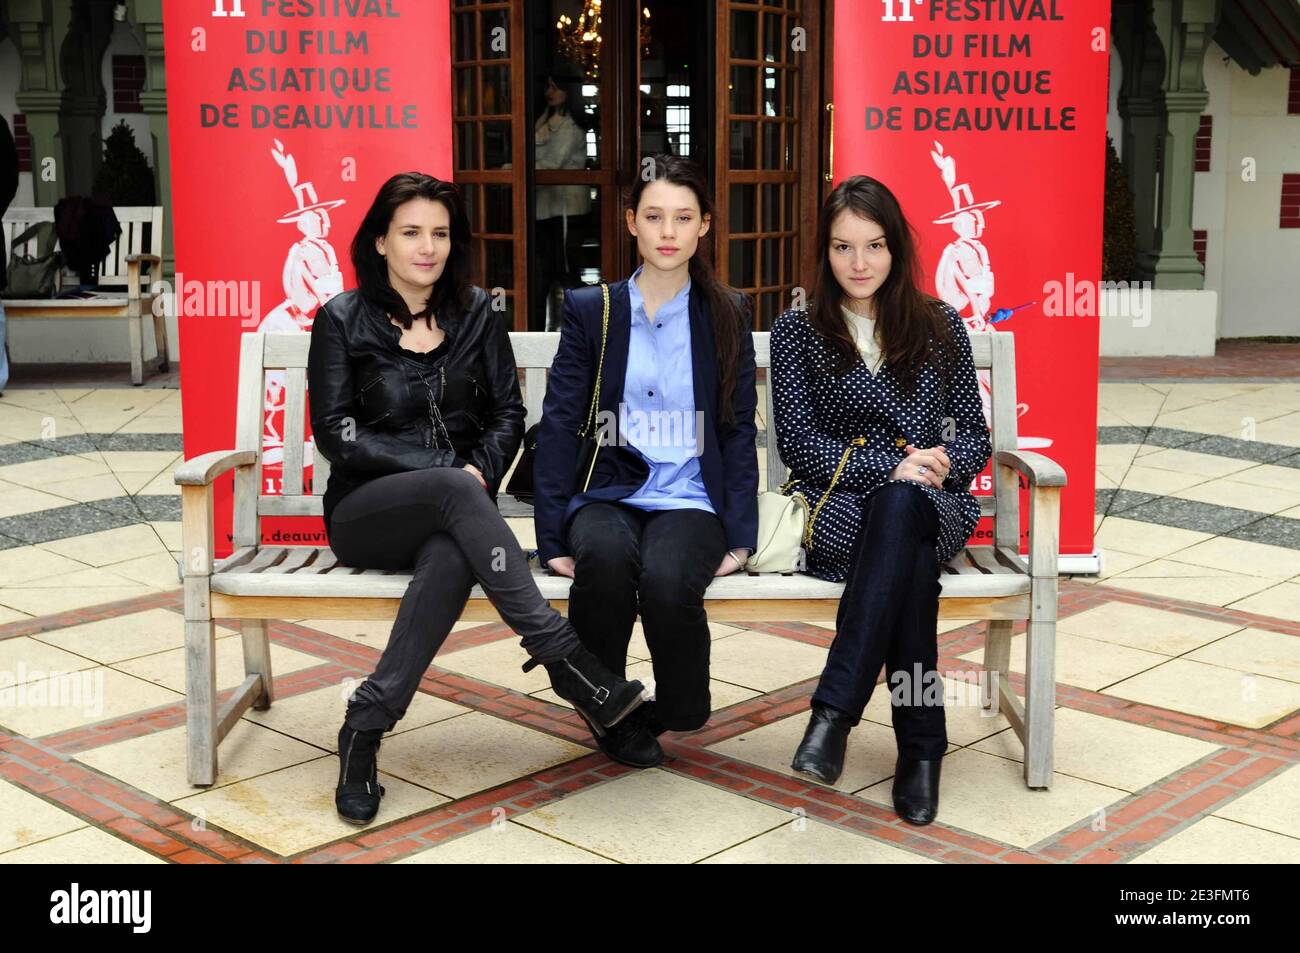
657 562
441 523
889 616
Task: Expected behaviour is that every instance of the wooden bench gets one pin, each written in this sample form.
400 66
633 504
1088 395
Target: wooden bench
257 582
123 291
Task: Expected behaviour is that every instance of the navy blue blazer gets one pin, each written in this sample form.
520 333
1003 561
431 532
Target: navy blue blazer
728 460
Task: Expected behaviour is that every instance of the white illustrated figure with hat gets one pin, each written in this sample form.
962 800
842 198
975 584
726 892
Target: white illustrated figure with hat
311 277
964 275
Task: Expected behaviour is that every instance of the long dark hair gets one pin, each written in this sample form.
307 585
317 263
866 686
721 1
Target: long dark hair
574 105
725 302
909 321
453 285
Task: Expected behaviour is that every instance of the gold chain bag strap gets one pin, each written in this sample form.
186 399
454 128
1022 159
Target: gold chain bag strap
589 433
785 524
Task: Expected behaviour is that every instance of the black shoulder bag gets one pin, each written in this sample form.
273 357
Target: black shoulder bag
521 481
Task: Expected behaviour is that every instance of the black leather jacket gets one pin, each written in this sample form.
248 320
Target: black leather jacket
371 412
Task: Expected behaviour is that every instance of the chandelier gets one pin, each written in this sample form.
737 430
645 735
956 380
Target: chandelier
579 41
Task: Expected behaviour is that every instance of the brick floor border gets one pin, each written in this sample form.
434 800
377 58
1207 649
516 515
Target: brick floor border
1133 824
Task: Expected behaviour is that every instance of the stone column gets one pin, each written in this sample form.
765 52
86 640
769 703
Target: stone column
1143 117
148 14
1185 28
38 97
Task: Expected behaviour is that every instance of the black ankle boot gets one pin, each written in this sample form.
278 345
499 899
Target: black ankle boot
630 742
916 789
599 695
821 753
357 796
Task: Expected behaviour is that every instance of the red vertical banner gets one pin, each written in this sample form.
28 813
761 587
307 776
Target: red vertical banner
285 117
987 118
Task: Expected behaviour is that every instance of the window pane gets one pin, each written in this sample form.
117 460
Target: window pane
496 90
467 145
791 92
742 145
742 208
773 37
496 144
744 35
772 209
741 270
469 195
497 210
772 90
463 27
466 98
743 81
771 145
494 45
788 271
770 266
500 264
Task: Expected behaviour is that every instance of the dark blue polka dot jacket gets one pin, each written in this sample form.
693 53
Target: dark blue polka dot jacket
818 414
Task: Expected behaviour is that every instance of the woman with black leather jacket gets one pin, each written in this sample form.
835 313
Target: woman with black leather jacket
415 402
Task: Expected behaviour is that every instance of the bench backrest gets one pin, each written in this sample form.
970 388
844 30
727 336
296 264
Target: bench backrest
534 352
141 234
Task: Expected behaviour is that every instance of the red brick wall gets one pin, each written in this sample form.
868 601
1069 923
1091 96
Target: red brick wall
1203 138
128 83
1290 200
23 139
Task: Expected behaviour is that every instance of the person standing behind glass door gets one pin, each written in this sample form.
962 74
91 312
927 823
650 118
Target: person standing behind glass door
560 137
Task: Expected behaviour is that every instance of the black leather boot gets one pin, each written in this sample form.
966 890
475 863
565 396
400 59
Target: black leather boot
357 796
821 753
630 742
599 695
916 789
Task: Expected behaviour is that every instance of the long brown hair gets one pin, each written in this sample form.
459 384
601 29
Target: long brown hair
729 318
909 321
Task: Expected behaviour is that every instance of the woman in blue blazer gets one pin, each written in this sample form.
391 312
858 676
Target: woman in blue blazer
673 502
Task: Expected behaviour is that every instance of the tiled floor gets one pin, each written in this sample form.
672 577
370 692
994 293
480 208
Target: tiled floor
1178 719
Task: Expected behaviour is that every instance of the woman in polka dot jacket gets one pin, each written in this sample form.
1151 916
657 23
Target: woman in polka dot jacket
875 385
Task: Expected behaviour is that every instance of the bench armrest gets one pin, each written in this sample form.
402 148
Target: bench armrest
1040 470
203 469
133 281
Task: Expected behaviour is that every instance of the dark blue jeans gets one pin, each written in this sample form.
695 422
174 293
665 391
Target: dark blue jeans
656 563
888 616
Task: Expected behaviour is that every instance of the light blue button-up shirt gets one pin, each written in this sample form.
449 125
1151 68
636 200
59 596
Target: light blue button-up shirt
657 418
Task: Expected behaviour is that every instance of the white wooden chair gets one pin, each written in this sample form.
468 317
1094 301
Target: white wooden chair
123 291
258 582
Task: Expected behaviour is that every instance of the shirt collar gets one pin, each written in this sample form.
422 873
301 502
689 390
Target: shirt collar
638 302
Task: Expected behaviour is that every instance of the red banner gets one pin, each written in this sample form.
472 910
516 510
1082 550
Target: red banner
285 117
987 118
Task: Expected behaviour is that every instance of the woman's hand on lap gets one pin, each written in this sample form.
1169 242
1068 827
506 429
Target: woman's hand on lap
561 565
478 474
929 466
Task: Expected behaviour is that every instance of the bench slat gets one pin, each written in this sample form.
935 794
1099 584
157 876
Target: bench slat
273 574
295 408
265 558
295 558
290 506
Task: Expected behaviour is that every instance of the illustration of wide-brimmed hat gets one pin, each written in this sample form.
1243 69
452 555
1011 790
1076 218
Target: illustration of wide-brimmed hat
962 200
972 207
304 193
